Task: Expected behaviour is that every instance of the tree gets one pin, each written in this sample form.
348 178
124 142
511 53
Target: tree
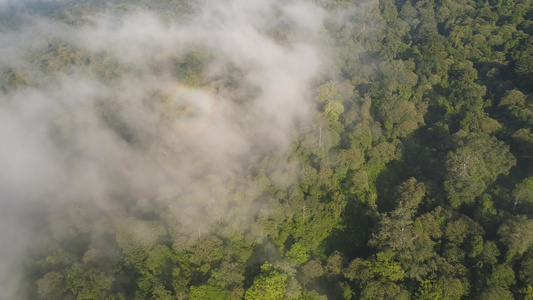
334 264
523 141
313 269
298 254
269 285
208 250
429 290
136 237
204 292
312 295
457 231
400 237
351 158
517 234
515 107
333 110
502 275
383 290
88 283
227 275
495 293
51 286
477 161
524 65
525 271
523 192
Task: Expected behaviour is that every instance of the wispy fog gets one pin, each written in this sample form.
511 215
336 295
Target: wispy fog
116 122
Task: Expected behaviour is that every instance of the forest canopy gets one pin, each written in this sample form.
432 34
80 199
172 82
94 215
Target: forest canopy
307 149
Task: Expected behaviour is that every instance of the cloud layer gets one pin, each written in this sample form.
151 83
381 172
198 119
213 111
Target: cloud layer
70 136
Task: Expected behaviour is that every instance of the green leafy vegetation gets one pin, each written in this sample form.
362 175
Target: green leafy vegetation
413 181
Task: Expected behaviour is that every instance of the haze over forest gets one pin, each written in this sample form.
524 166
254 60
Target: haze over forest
273 149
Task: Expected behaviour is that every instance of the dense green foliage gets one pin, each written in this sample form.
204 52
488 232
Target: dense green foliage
414 182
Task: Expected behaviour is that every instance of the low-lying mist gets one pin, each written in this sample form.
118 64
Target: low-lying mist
123 106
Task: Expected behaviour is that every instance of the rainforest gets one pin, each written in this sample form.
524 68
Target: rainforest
266 149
